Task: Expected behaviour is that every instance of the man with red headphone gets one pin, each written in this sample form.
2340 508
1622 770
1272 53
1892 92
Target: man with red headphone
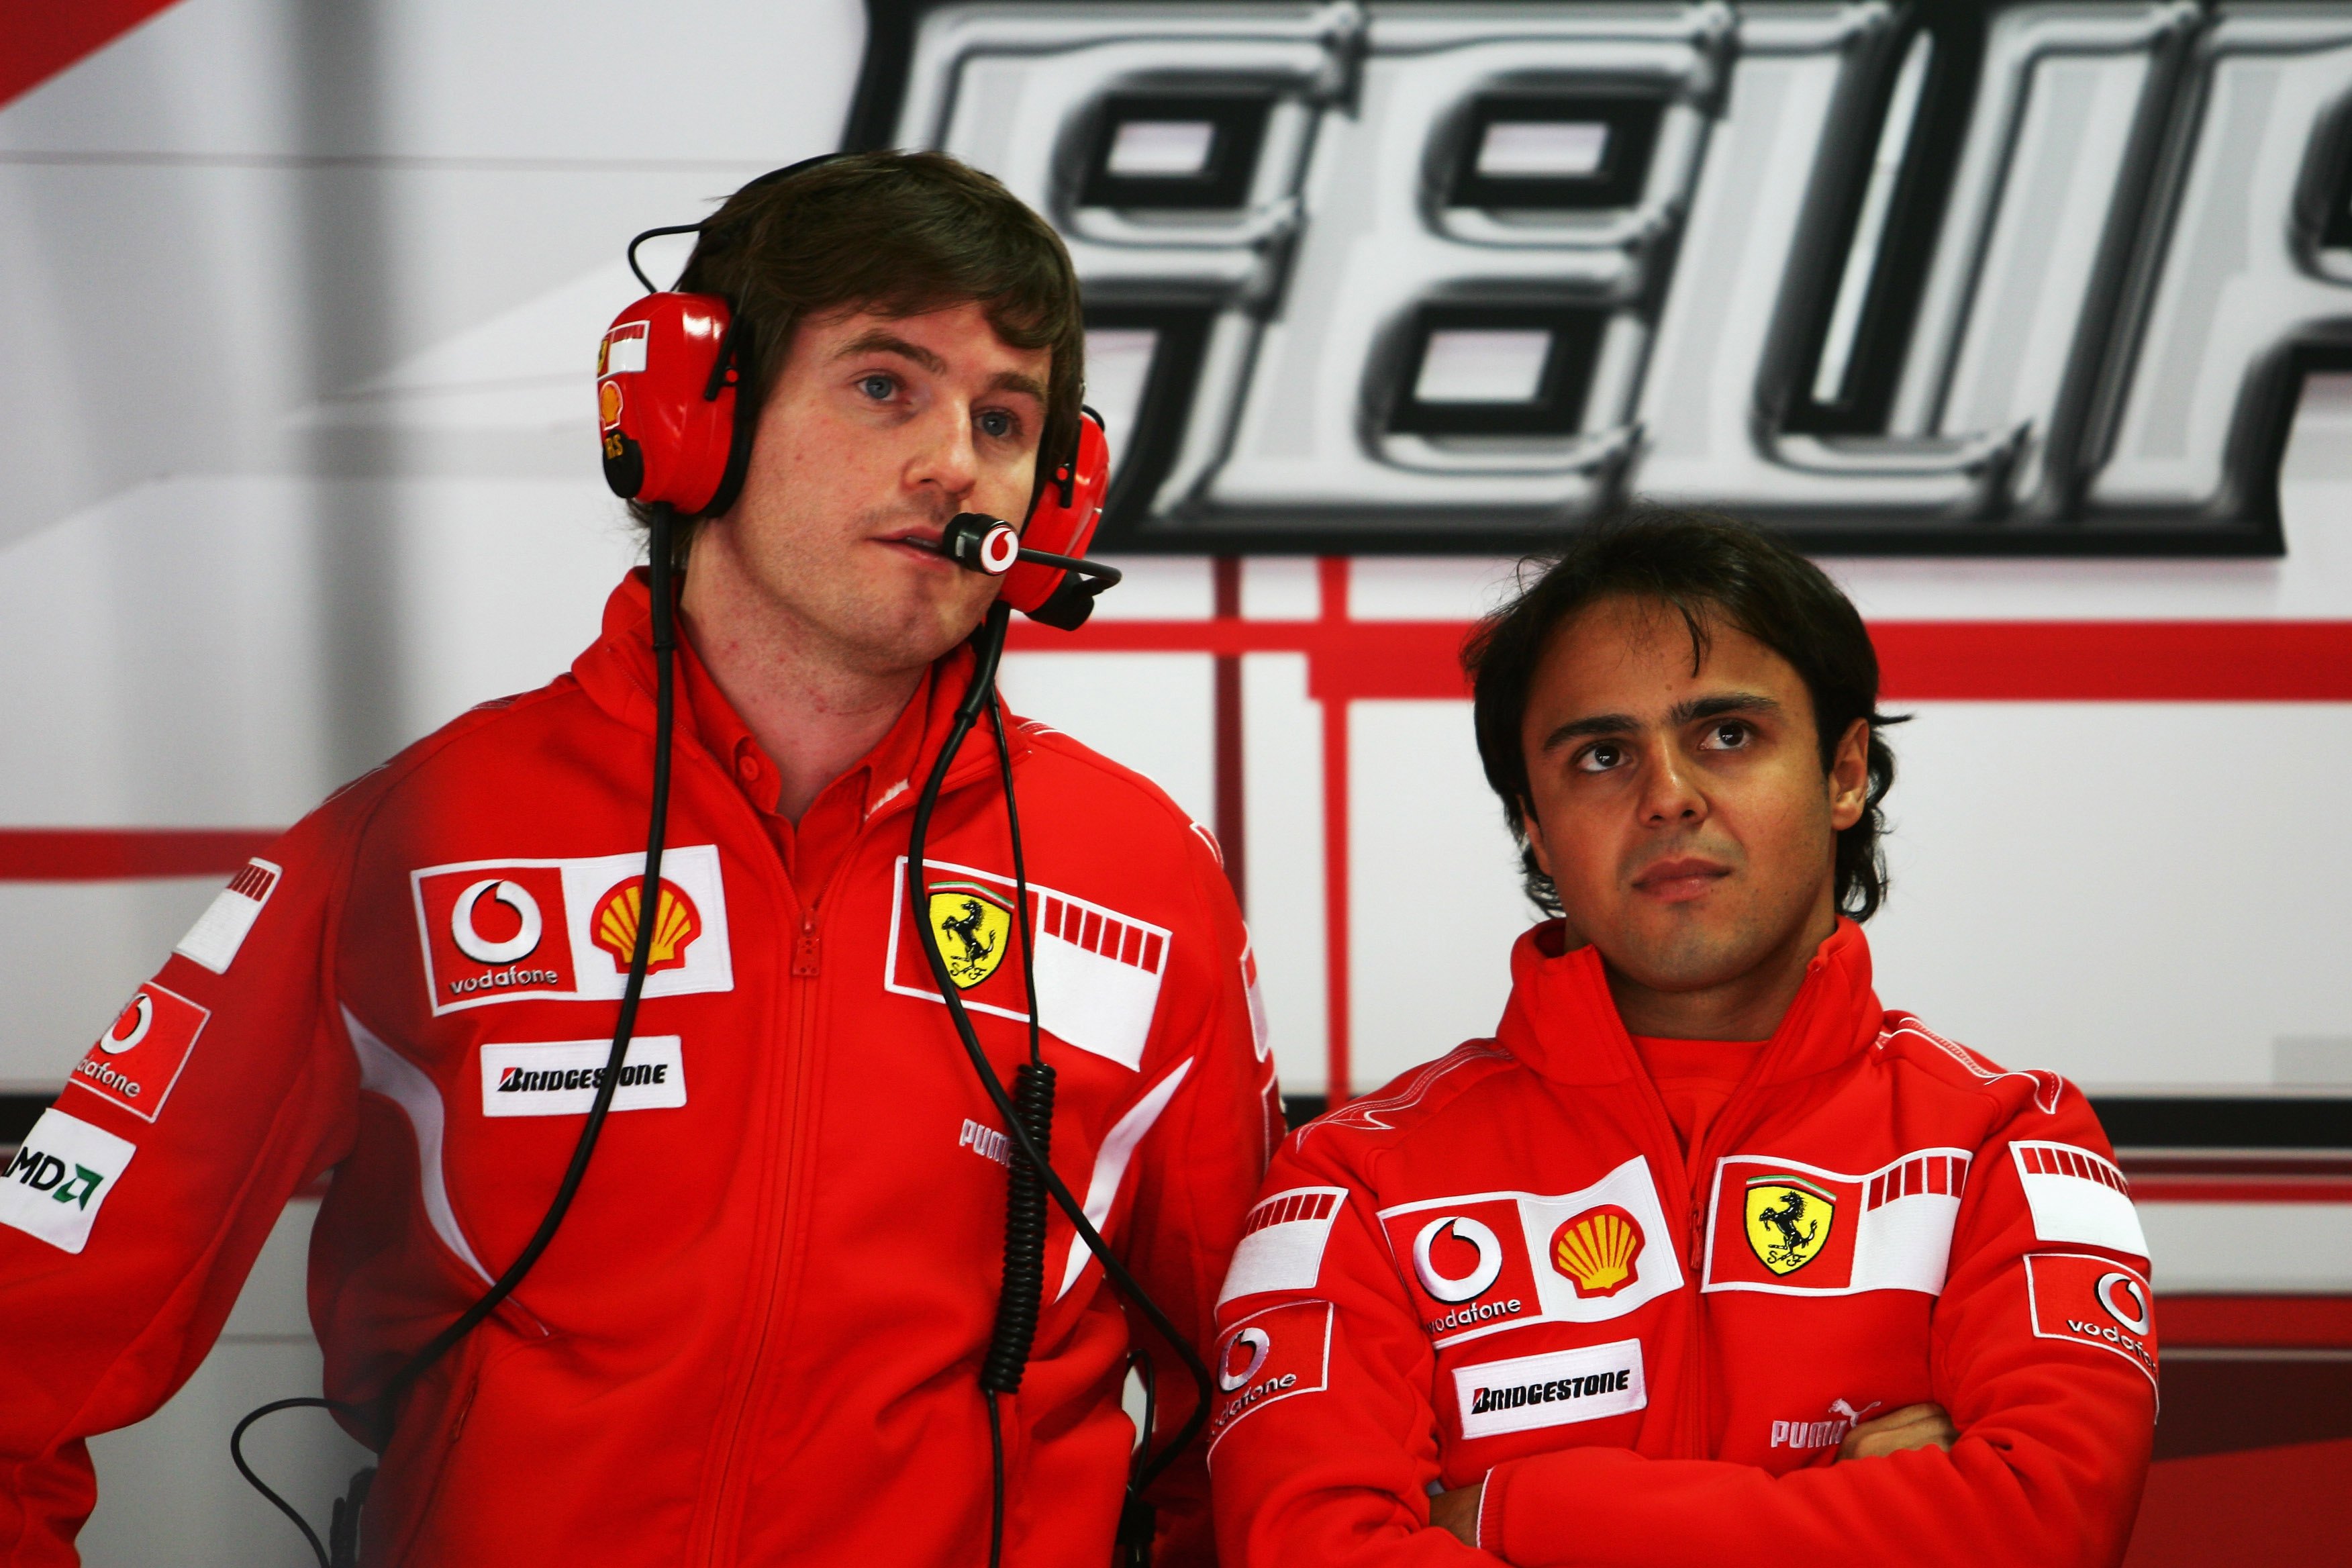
757 1334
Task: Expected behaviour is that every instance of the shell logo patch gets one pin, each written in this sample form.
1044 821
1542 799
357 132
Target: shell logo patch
677 922
1788 1222
973 925
1598 1250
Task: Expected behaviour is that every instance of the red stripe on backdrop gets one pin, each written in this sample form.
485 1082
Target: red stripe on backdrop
2115 661
2242 1190
39 38
1921 661
2260 1322
126 854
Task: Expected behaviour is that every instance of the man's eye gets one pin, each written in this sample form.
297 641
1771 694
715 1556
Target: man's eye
878 386
1727 736
1599 759
997 425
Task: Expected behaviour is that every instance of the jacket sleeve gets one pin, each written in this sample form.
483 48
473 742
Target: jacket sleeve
132 1212
1199 1172
1322 1438
2057 1414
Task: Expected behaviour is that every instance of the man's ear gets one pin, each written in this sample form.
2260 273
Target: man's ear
1848 777
1533 828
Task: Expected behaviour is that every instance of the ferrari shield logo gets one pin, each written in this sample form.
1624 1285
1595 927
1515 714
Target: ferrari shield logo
1788 1222
973 925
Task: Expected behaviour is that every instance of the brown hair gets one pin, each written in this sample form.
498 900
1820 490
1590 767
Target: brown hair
898 234
1711 571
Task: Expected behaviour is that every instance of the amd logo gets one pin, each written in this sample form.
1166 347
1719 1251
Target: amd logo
1951 277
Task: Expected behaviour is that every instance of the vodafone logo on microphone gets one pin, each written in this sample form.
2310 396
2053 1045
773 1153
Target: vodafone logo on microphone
504 930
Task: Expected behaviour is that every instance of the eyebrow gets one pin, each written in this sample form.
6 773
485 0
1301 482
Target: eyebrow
1014 381
1698 708
880 341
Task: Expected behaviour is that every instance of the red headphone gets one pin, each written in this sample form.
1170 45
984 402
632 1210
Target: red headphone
669 375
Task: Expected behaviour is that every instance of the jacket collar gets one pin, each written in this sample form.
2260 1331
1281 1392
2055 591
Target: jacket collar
1562 1022
617 671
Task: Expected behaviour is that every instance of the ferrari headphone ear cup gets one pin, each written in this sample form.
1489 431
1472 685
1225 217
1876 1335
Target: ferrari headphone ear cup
1063 521
667 402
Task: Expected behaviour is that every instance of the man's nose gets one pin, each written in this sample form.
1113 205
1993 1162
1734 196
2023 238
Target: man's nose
1668 793
947 457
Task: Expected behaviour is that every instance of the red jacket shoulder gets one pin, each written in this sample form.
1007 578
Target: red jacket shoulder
506 726
1412 1102
1073 772
2018 1095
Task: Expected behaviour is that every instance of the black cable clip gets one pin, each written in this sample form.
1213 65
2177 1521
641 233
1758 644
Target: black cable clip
344 1528
1138 1520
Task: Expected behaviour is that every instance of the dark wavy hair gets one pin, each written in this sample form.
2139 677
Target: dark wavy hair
1711 571
899 234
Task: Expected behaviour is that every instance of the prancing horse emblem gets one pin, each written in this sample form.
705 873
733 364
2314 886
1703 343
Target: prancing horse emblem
1788 1222
971 923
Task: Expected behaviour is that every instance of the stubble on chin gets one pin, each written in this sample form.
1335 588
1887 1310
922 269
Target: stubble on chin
1677 951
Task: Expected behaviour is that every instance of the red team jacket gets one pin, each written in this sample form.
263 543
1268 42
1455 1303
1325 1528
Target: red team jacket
755 1338
1503 1267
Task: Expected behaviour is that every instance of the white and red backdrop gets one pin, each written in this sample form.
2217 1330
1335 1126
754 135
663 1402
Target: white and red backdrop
302 306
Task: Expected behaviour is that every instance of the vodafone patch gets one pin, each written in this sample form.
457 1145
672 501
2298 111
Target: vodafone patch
500 930
221 930
60 1179
1282 1242
1267 1357
139 1058
2093 1301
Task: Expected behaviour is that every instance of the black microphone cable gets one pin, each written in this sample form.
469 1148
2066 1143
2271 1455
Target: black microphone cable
342 1548
1018 1304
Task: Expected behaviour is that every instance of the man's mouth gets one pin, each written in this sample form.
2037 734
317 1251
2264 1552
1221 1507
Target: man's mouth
1681 880
920 540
